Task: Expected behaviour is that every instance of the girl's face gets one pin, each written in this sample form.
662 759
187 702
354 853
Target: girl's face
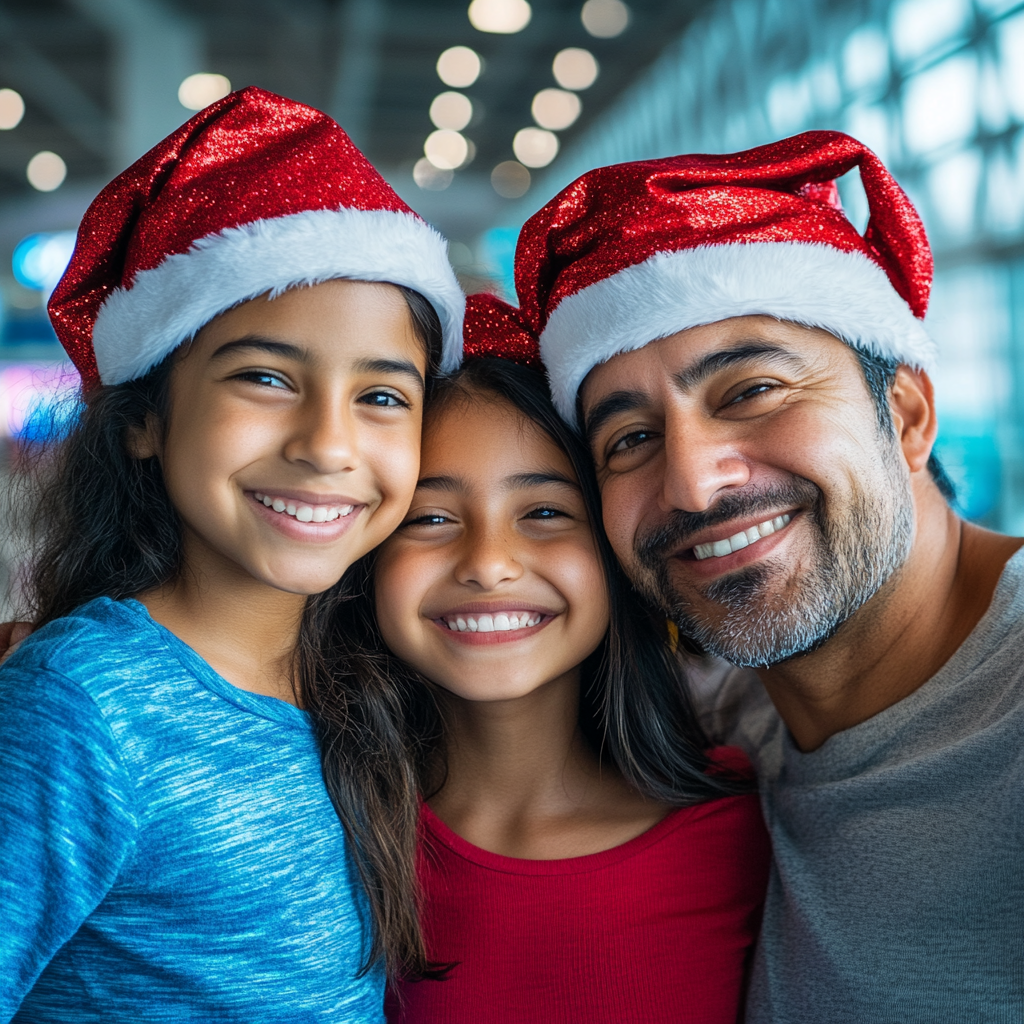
291 445
492 586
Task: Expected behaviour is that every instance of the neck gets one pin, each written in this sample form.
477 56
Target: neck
903 635
523 754
522 780
245 630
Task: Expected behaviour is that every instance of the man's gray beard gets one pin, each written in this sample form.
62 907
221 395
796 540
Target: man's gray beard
764 625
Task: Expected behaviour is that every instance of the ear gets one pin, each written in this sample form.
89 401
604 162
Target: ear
913 410
146 441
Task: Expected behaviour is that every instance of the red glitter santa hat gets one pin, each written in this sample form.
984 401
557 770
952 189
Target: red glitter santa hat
494 328
254 194
635 252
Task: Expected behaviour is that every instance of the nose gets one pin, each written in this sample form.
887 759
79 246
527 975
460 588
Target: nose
488 558
324 436
699 464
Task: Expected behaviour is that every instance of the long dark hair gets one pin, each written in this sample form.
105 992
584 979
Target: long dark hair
634 702
106 528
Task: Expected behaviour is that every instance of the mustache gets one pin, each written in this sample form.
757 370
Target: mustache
680 525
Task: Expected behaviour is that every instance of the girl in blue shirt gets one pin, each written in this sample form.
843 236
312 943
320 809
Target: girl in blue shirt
255 316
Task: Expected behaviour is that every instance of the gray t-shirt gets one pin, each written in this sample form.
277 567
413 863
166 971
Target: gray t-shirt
897 889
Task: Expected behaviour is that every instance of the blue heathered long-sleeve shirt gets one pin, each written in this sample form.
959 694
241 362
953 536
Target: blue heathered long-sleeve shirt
168 851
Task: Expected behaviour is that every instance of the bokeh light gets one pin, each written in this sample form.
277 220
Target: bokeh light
431 178
12 109
510 179
555 108
46 171
459 67
575 68
502 16
198 91
446 149
535 147
605 19
451 110
40 259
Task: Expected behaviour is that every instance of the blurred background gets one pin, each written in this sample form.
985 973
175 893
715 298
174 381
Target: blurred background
477 113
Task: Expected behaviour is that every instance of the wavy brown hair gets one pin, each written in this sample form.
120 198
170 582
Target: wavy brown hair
105 527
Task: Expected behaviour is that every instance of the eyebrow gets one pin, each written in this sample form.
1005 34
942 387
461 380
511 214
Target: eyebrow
710 364
515 482
609 406
392 367
521 481
261 344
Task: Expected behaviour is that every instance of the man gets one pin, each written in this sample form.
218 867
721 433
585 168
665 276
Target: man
751 374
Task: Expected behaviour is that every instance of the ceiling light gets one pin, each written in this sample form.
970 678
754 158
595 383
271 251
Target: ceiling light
504 16
46 171
459 66
446 149
451 110
12 109
555 108
510 179
198 91
605 18
575 68
429 177
535 147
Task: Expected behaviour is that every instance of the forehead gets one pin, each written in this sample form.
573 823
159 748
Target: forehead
478 434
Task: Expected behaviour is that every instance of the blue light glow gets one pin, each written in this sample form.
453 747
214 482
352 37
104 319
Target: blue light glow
40 260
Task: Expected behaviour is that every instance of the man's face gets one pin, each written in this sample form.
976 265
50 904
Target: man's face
747 485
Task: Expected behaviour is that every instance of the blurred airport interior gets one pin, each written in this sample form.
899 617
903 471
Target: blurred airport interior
479 113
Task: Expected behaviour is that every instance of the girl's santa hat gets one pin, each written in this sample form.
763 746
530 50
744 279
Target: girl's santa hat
496 329
254 194
635 252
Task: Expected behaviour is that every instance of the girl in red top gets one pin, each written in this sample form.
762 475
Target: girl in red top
582 858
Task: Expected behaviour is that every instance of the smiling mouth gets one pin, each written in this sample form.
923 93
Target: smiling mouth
303 512
743 539
498 622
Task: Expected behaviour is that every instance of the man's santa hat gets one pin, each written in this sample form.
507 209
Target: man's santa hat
494 328
253 195
635 252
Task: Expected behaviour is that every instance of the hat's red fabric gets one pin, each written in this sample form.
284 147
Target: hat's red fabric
494 328
250 159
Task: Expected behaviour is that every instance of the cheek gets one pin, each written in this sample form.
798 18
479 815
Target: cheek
401 582
581 581
621 512
394 461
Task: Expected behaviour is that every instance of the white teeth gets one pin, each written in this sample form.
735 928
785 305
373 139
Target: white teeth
305 513
500 622
738 541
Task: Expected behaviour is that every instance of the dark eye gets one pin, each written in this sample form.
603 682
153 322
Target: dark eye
383 400
757 389
265 380
628 441
545 513
430 519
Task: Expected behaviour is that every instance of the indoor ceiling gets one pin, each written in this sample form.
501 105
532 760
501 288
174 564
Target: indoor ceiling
370 63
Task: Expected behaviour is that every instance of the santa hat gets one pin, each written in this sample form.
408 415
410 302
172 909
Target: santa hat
635 252
496 329
254 194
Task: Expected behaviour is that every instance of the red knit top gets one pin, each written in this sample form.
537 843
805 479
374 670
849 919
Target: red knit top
656 930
